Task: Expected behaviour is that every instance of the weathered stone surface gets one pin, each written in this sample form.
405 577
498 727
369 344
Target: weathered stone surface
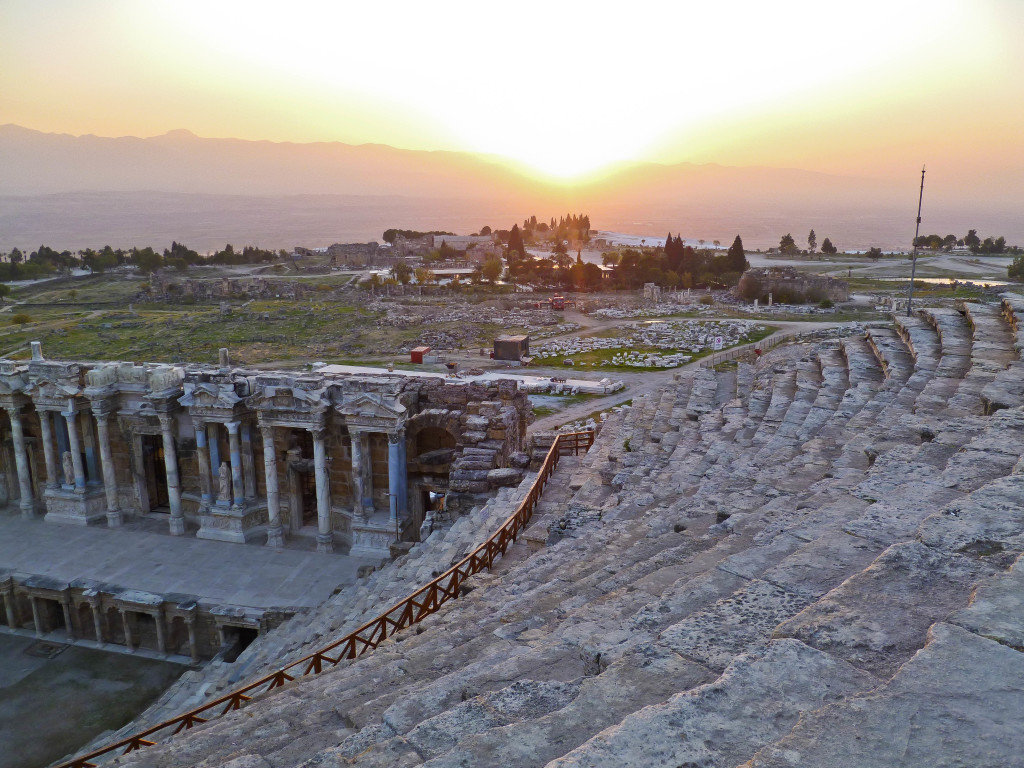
997 609
736 624
879 618
989 521
757 699
956 703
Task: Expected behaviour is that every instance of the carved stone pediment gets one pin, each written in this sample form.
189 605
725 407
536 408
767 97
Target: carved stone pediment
288 398
210 395
373 410
57 394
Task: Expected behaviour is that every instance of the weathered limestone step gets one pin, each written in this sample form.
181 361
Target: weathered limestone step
992 336
1006 390
726 387
955 340
892 353
702 394
744 379
921 338
954 703
861 362
757 700
1013 314
739 623
879 618
996 610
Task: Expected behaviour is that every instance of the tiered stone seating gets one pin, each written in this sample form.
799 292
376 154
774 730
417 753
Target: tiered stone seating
1006 390
813 574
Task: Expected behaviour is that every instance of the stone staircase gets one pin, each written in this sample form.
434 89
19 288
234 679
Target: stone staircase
814 563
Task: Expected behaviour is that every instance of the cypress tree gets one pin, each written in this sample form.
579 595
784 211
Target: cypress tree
737 256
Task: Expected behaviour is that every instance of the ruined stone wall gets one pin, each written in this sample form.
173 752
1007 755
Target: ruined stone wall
780 279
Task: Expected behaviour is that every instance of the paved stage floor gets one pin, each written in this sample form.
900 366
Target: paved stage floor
134 557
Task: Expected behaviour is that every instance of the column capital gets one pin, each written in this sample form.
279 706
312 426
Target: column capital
318 432
232 427
166 420
13 410
396 437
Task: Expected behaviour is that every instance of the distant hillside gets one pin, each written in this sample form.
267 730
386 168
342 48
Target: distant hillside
81 191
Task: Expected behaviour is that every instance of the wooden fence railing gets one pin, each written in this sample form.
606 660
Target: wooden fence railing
731 354
408 611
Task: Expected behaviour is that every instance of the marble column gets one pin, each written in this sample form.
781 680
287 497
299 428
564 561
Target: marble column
114 517
11 609
248 462
21 461
193 646
325 536
75 449
69 628
214 443
97 621
275 533
92 471
395 472
177 523
403 479
235 447
46 428
356 438
129 641
161 638
36 618
203 459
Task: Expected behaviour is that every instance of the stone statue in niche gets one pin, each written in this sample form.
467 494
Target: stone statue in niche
69 468
224 482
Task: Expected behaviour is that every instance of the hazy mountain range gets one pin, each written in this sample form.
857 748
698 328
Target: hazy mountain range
76 191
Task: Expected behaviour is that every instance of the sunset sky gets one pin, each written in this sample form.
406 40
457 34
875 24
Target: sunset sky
561 88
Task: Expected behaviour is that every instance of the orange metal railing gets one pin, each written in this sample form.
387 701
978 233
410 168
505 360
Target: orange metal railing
410 610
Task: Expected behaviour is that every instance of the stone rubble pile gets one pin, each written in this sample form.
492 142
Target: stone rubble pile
811 561
694 336
538 323
654 310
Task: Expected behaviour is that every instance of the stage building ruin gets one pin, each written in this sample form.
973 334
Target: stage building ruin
350 461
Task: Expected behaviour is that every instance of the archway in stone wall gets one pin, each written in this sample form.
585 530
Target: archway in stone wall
115 626
432 446
431 439
177 636
86 626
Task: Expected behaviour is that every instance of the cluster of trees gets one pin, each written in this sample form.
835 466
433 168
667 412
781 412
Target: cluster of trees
46 261
390 235
568 228
788 246
991 245
675 265
40 263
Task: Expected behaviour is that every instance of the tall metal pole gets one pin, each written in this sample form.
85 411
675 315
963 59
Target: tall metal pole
917 233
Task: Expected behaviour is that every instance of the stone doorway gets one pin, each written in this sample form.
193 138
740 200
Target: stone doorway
156 472
307 497
86 625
